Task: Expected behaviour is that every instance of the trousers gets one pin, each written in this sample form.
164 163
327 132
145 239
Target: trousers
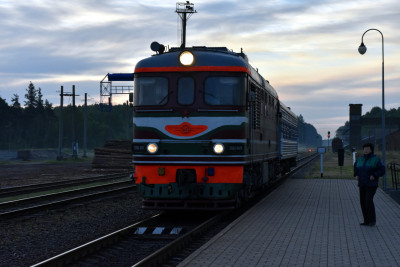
367 204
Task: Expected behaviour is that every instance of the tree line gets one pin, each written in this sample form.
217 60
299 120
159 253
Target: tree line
36 124
376 113
307 134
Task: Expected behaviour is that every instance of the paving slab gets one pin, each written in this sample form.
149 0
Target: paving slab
307 222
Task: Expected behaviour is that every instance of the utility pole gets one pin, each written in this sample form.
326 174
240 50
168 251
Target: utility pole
185 11
60 135
74 143
109 118
85 128
127 120
60 126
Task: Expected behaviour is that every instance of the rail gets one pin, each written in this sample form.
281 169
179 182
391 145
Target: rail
26 189
53 200
395 172
72 255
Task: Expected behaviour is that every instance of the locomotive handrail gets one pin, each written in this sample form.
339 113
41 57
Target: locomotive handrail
395 172
220 110
154 110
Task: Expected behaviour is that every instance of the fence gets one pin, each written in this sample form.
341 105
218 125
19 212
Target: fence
395 172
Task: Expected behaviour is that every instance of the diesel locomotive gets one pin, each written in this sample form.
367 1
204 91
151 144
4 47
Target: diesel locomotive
208 129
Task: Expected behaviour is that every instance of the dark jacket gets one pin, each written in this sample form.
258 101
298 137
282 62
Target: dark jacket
366 166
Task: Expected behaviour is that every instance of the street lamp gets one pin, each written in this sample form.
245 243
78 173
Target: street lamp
362 49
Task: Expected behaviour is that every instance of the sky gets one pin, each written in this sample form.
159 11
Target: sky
306 49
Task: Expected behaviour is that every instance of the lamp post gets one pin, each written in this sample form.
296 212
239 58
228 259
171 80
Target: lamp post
362 49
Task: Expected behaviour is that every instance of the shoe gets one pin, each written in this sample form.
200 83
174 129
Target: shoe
372 224
364 223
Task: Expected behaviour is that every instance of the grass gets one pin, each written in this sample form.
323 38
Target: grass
331 170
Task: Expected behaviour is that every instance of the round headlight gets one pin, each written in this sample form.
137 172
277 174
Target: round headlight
218 148
186 58
152 148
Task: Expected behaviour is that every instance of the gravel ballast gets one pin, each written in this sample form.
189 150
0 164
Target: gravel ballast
31 239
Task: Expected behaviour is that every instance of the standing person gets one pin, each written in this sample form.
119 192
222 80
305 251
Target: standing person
367 170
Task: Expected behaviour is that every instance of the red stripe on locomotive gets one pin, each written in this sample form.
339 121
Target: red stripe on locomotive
194 68
223 174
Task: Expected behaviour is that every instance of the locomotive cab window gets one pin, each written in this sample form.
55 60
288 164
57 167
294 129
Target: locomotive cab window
224 91
185 91
151 91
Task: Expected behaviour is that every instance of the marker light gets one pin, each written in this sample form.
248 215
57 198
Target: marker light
152 148
186 58
218 148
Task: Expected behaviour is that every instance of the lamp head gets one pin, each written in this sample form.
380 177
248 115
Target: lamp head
362 48
156 47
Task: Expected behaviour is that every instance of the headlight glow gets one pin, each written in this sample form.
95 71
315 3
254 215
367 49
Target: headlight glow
218 148
186 58
152 148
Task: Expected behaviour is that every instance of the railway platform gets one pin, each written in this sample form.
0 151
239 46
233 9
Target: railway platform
307 222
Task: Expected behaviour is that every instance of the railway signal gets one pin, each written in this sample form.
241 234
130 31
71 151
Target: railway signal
329 135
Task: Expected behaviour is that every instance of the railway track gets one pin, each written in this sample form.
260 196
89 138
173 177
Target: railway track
27 189
154 242
306 157
43 202
163 232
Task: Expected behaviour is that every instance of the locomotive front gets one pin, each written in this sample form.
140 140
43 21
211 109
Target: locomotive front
190 128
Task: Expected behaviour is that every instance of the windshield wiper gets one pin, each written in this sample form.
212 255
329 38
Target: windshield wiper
165 97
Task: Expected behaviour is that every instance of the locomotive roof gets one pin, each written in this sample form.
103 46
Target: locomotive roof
206 59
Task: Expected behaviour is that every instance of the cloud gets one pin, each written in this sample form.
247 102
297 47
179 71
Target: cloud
306 49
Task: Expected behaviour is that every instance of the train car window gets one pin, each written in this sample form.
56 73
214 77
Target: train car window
151 91
186 91
224 91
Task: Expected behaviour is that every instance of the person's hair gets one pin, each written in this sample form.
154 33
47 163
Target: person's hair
369 145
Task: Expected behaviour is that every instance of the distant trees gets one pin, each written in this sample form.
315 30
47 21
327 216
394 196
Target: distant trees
369 129
27 127
4 111
36 125
376 112
5 122
343 132
31 96
15 101
307 134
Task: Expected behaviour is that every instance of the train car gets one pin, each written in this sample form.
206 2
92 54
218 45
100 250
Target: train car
288 138
208 129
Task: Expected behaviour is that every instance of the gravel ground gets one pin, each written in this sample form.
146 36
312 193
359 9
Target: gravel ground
29 240
25 173
32 239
